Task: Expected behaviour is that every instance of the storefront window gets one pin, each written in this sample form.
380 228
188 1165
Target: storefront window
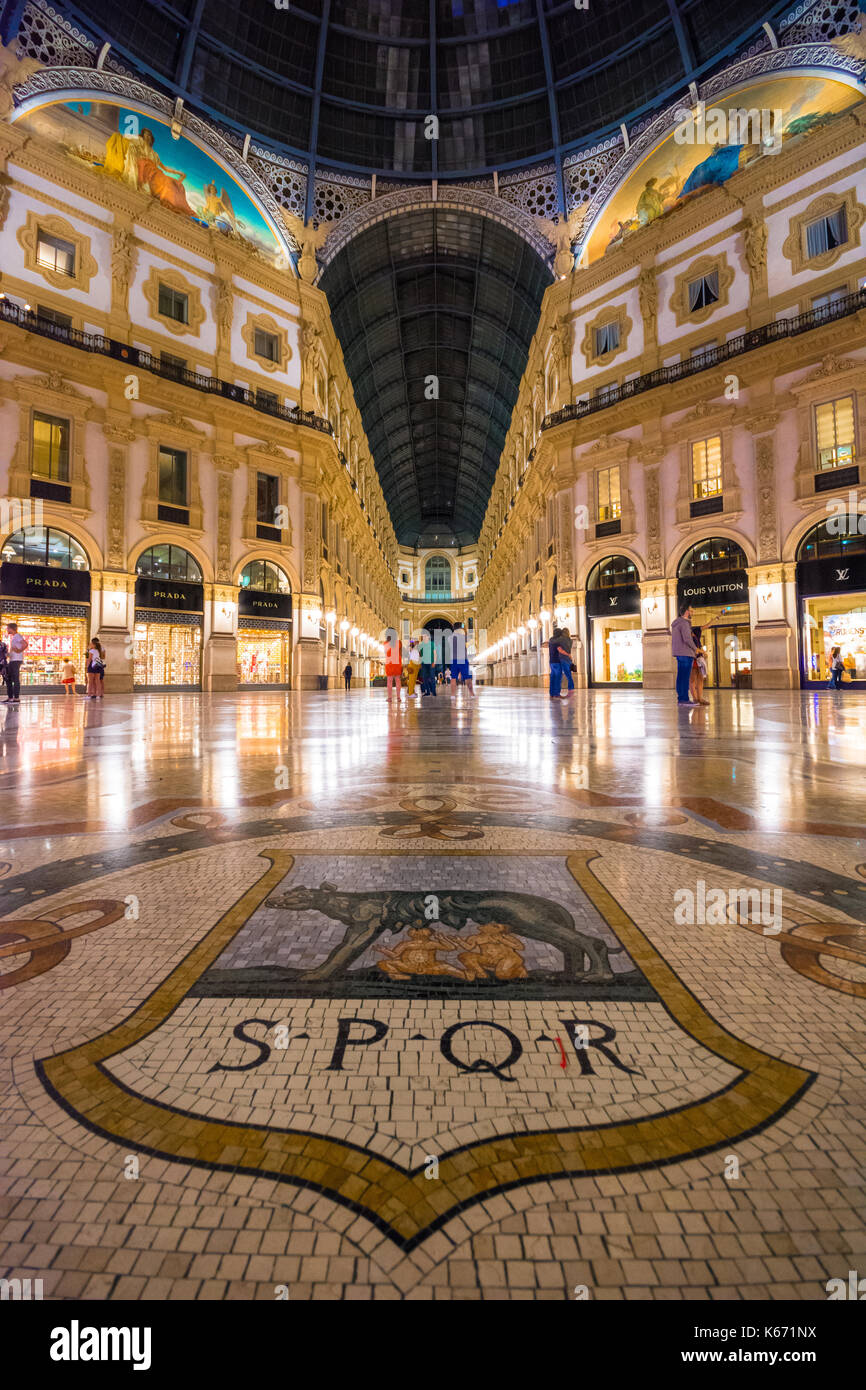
264 658
50 643
837 620
617 650
712 556
167 654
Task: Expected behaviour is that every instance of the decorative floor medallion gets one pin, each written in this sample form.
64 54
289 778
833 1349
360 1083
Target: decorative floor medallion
352 1018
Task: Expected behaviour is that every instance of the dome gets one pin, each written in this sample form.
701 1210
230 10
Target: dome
349 83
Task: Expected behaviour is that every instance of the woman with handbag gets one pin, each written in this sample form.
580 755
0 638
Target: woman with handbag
837 666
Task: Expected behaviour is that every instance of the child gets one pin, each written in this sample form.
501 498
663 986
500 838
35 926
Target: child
68 678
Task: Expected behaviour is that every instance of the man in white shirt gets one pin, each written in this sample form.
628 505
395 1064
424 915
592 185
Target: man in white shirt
17 648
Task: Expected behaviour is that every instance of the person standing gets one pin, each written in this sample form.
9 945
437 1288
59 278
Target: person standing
684 650
95 666
837 666
68 678
461 671
699 670
428 679
17 647
566 661
557 655
347 674
413 664
393 665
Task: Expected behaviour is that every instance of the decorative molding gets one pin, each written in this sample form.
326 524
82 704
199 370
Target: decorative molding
85 264
794 245
765 486
164 275
608 314
704 265
266 324
116 512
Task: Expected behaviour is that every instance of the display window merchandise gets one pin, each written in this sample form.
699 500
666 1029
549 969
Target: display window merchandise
613 619
264 657
831 586
51 641
166 654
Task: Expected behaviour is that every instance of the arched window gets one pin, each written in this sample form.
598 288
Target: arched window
437 576
613 573
168 562
822 543
712 556
266 577
45 545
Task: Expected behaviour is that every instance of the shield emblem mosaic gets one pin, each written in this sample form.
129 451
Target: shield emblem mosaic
349 1023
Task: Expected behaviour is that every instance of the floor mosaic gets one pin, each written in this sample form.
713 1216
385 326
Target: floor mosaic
482 1002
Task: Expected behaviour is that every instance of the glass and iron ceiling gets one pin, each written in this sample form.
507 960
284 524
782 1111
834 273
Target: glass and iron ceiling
347 85
348 82
435 311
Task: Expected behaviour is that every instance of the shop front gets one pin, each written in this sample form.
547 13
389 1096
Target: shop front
168 621
264 627
713 579
45 589
831 597
615 640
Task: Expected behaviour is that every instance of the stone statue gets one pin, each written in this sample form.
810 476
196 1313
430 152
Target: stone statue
648 295
310 239
122 257
13 71
755 243
562 233
225 309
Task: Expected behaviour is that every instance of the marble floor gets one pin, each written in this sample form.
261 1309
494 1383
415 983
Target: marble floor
306 995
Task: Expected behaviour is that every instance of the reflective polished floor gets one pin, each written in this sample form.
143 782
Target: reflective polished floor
481 997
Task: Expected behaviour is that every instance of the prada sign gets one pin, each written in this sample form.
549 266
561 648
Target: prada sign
711 590
843 576
255 603
612 602
170 594
43 582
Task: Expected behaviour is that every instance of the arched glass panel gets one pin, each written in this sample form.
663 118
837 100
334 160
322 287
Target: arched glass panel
823 543
712 556
612 573
168 562
45 545
266 577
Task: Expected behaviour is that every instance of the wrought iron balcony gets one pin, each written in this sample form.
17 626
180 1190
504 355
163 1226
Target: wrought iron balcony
140 360
712 357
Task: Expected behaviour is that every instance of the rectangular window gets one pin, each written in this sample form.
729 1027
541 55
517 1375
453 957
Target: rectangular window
172 477
50 447
834 429
606 338
55 254
173 304
266 345
267 498
53 316
172 364
704 291
609 498
703 348
826 233
820 301
707 468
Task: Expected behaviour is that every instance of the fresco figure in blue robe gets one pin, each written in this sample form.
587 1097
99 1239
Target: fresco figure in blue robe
716 168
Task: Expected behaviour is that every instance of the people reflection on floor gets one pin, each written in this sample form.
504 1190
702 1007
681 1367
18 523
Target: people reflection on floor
684 651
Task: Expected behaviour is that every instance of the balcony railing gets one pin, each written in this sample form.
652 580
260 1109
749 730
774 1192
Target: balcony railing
712 357
146 361
438 596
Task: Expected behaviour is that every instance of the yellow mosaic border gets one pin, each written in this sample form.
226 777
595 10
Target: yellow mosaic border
405 1205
